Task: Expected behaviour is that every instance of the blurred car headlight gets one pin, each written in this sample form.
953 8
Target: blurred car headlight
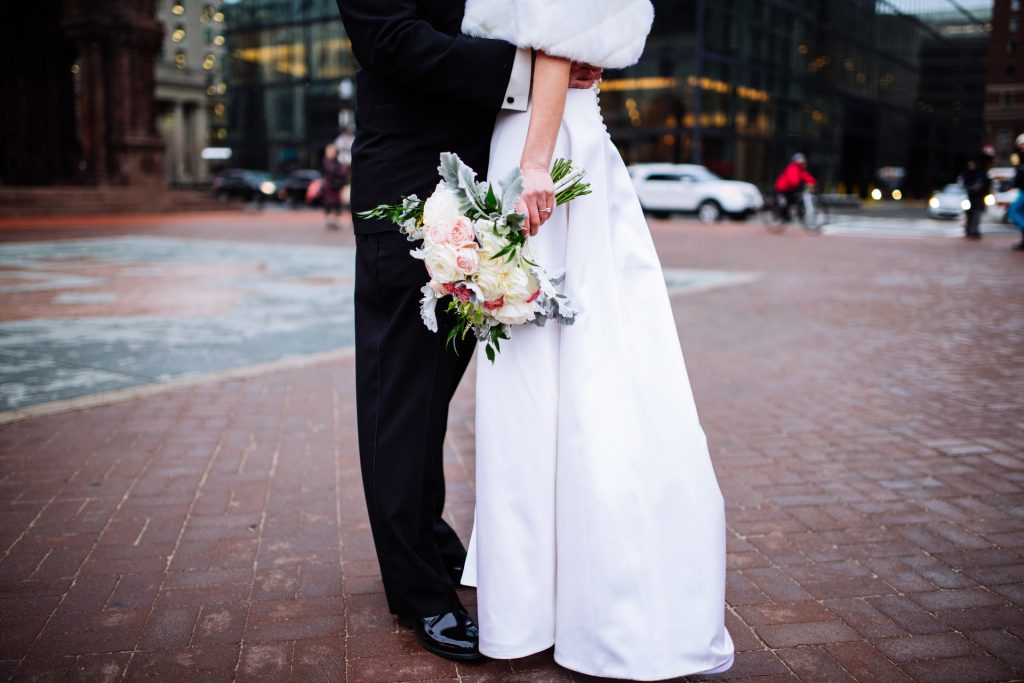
267 187
990 200
876 194
965 205
897 195
933 202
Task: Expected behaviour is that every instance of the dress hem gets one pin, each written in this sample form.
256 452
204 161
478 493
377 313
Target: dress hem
531 650
721 668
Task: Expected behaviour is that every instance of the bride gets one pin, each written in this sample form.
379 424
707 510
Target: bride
599 524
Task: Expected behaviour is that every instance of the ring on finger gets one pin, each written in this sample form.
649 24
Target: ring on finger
545 210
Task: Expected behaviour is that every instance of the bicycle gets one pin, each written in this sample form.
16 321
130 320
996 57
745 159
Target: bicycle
811 213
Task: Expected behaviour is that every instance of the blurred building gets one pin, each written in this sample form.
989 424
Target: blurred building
741 86
77 78
190 85
289 76
1004 94
873 91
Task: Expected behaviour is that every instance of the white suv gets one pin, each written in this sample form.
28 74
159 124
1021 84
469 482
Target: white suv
667 188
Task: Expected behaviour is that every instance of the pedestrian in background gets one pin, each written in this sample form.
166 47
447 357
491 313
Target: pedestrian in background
790 184
978 186
1016 212
334 174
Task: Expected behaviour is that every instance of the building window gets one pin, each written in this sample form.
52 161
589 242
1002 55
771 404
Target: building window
180 60
1014 5
1007 98
178 8
1013 24
1010 70
178 34
209 62
1011 47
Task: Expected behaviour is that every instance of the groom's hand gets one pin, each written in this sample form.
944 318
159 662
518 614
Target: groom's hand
583 76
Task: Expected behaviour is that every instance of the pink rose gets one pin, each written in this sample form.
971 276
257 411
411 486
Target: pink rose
495 305
467 261
437 234
462 293
461 232
449 288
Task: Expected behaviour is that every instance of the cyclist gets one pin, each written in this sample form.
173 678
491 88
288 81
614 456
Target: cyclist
791 183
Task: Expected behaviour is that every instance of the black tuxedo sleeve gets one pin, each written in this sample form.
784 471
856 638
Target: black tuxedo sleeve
391 41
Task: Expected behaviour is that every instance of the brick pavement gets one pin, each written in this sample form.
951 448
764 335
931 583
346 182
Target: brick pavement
864 400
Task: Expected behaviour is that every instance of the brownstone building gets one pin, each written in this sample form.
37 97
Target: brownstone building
1004 92
77 78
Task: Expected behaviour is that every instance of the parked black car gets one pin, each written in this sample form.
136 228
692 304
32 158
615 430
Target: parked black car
292 187
240 182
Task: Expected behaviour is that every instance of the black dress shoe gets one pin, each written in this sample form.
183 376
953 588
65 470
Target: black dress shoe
452 635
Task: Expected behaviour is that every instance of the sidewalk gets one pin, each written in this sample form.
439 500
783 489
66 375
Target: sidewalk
864 401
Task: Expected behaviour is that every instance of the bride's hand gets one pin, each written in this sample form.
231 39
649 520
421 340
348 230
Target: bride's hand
538 198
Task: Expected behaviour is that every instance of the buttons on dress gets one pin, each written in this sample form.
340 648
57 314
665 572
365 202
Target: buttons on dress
511 100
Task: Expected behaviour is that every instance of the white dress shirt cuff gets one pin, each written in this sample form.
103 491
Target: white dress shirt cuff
517 97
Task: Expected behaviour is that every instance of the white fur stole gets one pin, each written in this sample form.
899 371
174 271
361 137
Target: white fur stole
606 33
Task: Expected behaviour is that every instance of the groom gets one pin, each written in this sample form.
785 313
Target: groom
423 89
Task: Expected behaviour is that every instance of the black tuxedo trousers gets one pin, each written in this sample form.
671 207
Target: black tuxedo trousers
422 89
405 378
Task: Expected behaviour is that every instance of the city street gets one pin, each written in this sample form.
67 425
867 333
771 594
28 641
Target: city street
179 487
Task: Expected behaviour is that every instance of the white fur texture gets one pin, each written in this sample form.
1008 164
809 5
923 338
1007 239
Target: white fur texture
606 33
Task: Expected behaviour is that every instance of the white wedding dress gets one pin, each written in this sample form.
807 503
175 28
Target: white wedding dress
599 522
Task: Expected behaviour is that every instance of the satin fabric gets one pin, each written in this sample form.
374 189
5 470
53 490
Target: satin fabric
600 525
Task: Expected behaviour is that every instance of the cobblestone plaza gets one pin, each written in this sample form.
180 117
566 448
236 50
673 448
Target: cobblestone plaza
201 517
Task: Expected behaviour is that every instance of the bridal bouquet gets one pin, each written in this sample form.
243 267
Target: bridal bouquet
477 255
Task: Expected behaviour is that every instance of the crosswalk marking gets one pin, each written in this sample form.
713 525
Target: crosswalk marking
878 226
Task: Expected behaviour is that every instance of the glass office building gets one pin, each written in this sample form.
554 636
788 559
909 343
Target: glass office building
741 86
289 81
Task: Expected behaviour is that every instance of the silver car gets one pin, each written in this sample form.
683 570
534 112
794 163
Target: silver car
949 202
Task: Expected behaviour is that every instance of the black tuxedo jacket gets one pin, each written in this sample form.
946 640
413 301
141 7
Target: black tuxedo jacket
423 88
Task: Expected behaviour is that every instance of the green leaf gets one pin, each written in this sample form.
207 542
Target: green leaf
508 249
490 353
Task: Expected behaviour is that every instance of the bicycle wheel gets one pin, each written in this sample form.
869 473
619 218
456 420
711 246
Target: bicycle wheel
814 221
772 220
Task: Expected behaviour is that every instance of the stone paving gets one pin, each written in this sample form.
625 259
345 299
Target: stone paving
864 400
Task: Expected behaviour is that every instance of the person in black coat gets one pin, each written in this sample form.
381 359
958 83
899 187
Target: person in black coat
423 88
978 186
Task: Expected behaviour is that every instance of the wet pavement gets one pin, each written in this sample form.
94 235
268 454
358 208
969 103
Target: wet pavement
863 398
85 316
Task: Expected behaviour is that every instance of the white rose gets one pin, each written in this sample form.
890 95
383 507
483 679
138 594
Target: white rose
490 242
442 263
488 277
442 208
514 313
516 285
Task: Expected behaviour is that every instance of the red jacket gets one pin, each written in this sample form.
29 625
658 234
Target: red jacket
793 177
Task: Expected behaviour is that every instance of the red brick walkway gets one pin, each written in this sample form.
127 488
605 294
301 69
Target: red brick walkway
865 405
